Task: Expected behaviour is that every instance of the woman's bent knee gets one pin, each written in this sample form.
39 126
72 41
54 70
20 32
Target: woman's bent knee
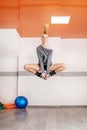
25 67
64 66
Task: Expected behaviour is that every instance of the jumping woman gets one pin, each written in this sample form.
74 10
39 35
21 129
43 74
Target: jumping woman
44 69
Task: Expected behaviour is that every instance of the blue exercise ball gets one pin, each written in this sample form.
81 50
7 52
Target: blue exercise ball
21 102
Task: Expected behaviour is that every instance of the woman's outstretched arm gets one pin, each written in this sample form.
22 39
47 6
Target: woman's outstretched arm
49 62
40 59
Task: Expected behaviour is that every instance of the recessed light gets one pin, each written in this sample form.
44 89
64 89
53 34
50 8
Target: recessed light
60 19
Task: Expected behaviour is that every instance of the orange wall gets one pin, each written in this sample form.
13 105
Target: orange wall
28 17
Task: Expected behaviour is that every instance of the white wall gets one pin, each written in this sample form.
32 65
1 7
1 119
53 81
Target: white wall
74 53
57 90
62 89
9 49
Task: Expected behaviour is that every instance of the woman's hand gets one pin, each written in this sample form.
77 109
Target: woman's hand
43 75
47 76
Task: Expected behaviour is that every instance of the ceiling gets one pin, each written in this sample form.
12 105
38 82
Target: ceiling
29 17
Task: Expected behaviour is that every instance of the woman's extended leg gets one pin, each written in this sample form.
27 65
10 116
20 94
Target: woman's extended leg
33 68
55 68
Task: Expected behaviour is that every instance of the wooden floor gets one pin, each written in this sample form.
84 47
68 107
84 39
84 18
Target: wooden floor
46 118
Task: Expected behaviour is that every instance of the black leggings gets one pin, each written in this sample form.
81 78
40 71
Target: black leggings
45 67
51 72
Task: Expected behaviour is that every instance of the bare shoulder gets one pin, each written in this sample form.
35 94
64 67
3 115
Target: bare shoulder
50 47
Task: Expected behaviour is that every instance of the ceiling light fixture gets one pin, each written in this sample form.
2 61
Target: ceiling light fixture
60 19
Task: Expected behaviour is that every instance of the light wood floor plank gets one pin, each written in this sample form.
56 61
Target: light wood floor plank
44 118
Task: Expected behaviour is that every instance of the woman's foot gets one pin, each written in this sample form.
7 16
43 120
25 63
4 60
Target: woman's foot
43 76
47 76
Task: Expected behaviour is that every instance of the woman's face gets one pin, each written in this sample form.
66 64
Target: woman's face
44 38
